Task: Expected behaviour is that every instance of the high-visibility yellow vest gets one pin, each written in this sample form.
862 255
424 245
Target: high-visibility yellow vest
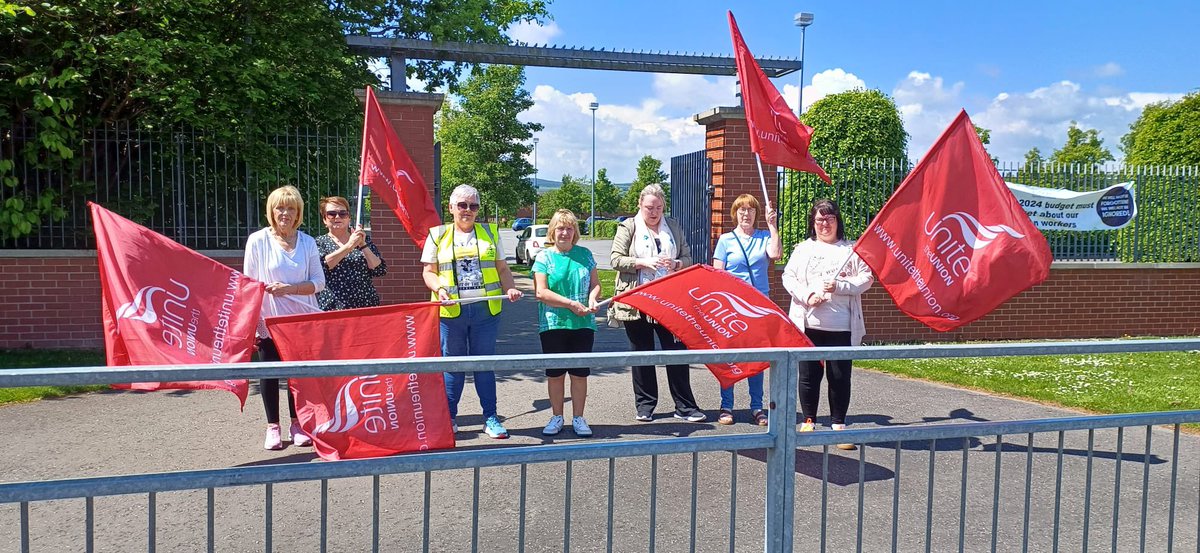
485 236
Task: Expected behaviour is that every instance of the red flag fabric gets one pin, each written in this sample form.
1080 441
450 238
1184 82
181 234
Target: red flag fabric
354 417
776 134
391 174
952 243
164 304
707 308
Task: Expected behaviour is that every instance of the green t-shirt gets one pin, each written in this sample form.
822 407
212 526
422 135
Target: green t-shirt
570 276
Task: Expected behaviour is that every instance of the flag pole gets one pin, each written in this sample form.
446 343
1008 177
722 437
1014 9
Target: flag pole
363 153
358 210
763 182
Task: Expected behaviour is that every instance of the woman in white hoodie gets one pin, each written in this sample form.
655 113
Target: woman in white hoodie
826 279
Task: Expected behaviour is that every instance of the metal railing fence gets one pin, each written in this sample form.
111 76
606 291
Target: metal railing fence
838 490
1166 229
180 182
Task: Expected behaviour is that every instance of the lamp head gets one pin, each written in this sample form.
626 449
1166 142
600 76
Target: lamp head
594 106
804 19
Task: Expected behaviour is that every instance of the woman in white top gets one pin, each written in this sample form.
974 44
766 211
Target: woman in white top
288 262
826 279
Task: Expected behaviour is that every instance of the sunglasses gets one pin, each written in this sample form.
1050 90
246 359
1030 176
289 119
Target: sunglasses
466 206
336 214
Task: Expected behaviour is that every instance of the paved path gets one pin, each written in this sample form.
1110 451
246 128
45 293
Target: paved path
122 433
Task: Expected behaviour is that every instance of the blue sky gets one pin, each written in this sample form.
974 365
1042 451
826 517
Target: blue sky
1022 69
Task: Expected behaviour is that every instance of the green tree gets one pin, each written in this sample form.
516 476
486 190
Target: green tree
1083 148
859 139
1165 133
570 195
231 69
985 138
649 171
608 196
1034 157
483 143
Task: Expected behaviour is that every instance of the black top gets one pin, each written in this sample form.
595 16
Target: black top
348 285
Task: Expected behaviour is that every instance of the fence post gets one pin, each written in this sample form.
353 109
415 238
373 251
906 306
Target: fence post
781 457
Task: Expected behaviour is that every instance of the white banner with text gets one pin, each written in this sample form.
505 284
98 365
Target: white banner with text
1059 209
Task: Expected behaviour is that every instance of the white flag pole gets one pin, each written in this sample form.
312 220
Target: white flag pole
358 210
763 182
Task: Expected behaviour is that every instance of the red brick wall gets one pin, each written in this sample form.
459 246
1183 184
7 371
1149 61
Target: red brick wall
54 302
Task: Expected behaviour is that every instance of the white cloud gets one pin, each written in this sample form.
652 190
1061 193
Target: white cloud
531 32
830 81
1110 69
624 133
694 93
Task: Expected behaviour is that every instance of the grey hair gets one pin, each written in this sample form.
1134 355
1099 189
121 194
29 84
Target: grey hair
654 189
462 192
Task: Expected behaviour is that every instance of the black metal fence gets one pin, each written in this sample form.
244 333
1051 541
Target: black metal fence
691 200
180 182
1166 229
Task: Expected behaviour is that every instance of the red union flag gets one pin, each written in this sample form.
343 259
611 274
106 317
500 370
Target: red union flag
354 417
391 173
164 304
952 243
776 134
707 308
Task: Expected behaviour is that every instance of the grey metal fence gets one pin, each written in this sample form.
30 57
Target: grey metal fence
1028 485
180 182
1166 229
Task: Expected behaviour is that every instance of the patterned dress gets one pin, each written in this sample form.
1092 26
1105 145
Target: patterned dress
348 284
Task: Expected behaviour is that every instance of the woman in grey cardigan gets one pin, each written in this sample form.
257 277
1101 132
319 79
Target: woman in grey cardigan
649 246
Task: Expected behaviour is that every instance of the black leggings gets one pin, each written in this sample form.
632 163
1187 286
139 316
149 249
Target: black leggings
268 388
645 380
839 378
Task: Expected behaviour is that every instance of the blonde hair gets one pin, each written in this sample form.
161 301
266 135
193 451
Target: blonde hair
564 217
285 196
745 200
654 189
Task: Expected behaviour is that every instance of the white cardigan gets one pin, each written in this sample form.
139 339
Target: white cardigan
856 278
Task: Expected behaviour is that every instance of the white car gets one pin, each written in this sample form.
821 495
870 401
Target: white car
529 242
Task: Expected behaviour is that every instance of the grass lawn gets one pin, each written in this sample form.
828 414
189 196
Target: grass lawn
607 279
33 358
1109 383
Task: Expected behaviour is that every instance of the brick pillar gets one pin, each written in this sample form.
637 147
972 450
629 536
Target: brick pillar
411 114
727 141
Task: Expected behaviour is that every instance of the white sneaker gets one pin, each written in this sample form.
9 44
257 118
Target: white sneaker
581 427
299 438
554 426
454 427
272 441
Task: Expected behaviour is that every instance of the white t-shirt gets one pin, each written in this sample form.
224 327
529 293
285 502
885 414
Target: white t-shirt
267 262
824 261
468 274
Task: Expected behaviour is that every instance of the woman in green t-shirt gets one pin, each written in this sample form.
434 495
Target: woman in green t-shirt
568 288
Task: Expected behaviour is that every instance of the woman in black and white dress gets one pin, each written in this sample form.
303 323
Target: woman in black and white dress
350 260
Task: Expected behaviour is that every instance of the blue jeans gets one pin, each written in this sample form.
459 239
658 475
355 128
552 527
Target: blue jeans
472 332
755 383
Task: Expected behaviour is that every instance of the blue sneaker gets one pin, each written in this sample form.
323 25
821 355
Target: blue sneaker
494 429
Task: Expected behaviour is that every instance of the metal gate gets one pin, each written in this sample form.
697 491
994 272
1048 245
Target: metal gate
691 201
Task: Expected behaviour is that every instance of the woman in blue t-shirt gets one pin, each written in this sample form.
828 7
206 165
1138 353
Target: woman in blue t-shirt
568 288
747 252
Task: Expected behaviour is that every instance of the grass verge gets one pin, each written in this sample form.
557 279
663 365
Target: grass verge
608 277
1109 383
33 358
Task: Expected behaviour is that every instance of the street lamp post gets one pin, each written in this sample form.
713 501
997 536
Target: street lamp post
803 20
535 180
592 220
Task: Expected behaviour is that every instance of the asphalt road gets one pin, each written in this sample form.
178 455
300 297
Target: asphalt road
124 433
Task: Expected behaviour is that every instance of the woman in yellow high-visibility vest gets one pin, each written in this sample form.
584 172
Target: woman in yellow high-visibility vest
465 259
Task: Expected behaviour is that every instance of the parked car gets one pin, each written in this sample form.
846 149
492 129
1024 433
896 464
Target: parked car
522 223
530 242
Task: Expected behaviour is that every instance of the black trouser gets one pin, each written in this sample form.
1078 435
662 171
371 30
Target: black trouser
645 379
268 388
838 373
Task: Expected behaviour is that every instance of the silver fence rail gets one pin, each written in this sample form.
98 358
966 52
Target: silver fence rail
847 505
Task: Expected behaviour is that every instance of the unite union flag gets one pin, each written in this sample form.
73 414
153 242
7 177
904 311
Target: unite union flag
352 417
776 134
952 243
390 173
707 308
164 304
